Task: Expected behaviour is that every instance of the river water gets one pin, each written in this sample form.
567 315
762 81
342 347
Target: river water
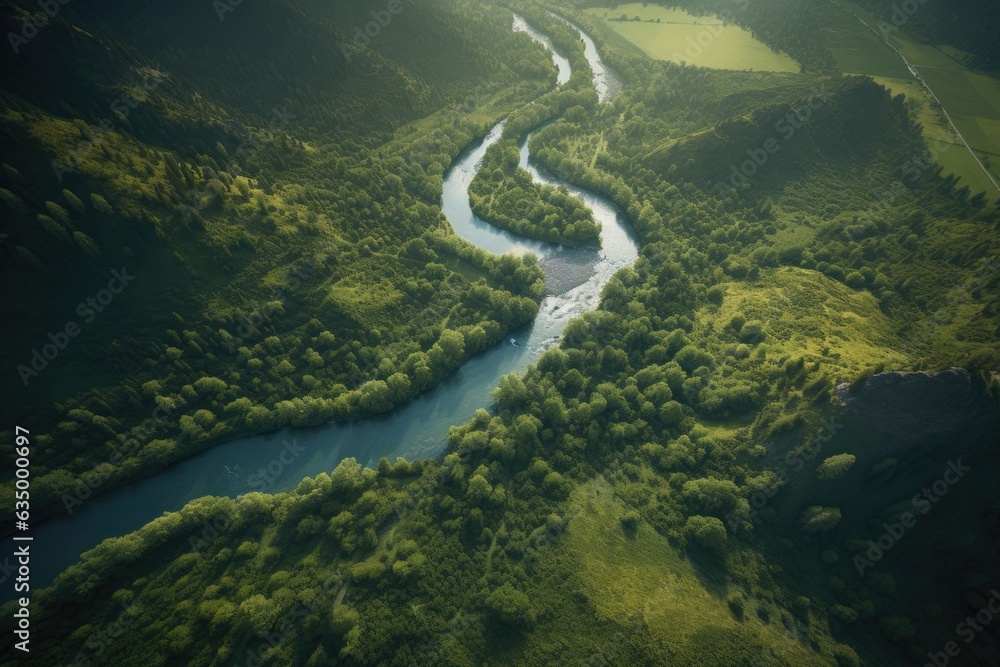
277 461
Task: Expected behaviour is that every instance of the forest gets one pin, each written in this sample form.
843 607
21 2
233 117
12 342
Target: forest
713 467
502 193
306 280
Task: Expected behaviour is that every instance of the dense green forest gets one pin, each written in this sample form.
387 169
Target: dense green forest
283 272
712 468
503 193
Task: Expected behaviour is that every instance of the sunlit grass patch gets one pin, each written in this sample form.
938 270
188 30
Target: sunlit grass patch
625 573
367 303
804 313
675 35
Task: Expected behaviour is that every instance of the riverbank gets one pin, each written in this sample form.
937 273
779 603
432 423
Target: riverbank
277 461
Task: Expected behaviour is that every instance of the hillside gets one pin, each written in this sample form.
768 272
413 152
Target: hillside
251 223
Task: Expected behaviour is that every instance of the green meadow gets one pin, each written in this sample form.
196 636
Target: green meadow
676 35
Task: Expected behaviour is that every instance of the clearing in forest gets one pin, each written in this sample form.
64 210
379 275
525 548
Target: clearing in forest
704 41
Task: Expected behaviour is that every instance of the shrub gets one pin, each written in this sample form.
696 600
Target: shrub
855 279
818 519
690 357
706 531
843 613
630 520
836 466
845 656
736 605
101 204
511 607
752 332
344 618
897 628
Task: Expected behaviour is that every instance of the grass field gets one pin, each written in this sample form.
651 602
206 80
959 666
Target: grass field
964 93
972 100
805 313
675 35
859 51
683 604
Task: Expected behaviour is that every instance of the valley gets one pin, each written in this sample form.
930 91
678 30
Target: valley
475 333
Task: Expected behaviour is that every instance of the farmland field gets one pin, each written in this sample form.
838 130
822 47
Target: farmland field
972 100
675 35
860 51
949 150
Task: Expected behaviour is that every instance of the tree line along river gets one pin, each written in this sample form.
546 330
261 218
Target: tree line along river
277 461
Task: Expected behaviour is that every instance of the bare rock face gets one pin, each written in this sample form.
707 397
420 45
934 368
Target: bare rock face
911 405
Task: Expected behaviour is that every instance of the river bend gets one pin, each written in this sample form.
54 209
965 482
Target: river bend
277 461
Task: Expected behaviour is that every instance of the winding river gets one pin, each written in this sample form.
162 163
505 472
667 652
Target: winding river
277 461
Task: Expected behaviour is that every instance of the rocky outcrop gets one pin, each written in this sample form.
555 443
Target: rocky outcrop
911 405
